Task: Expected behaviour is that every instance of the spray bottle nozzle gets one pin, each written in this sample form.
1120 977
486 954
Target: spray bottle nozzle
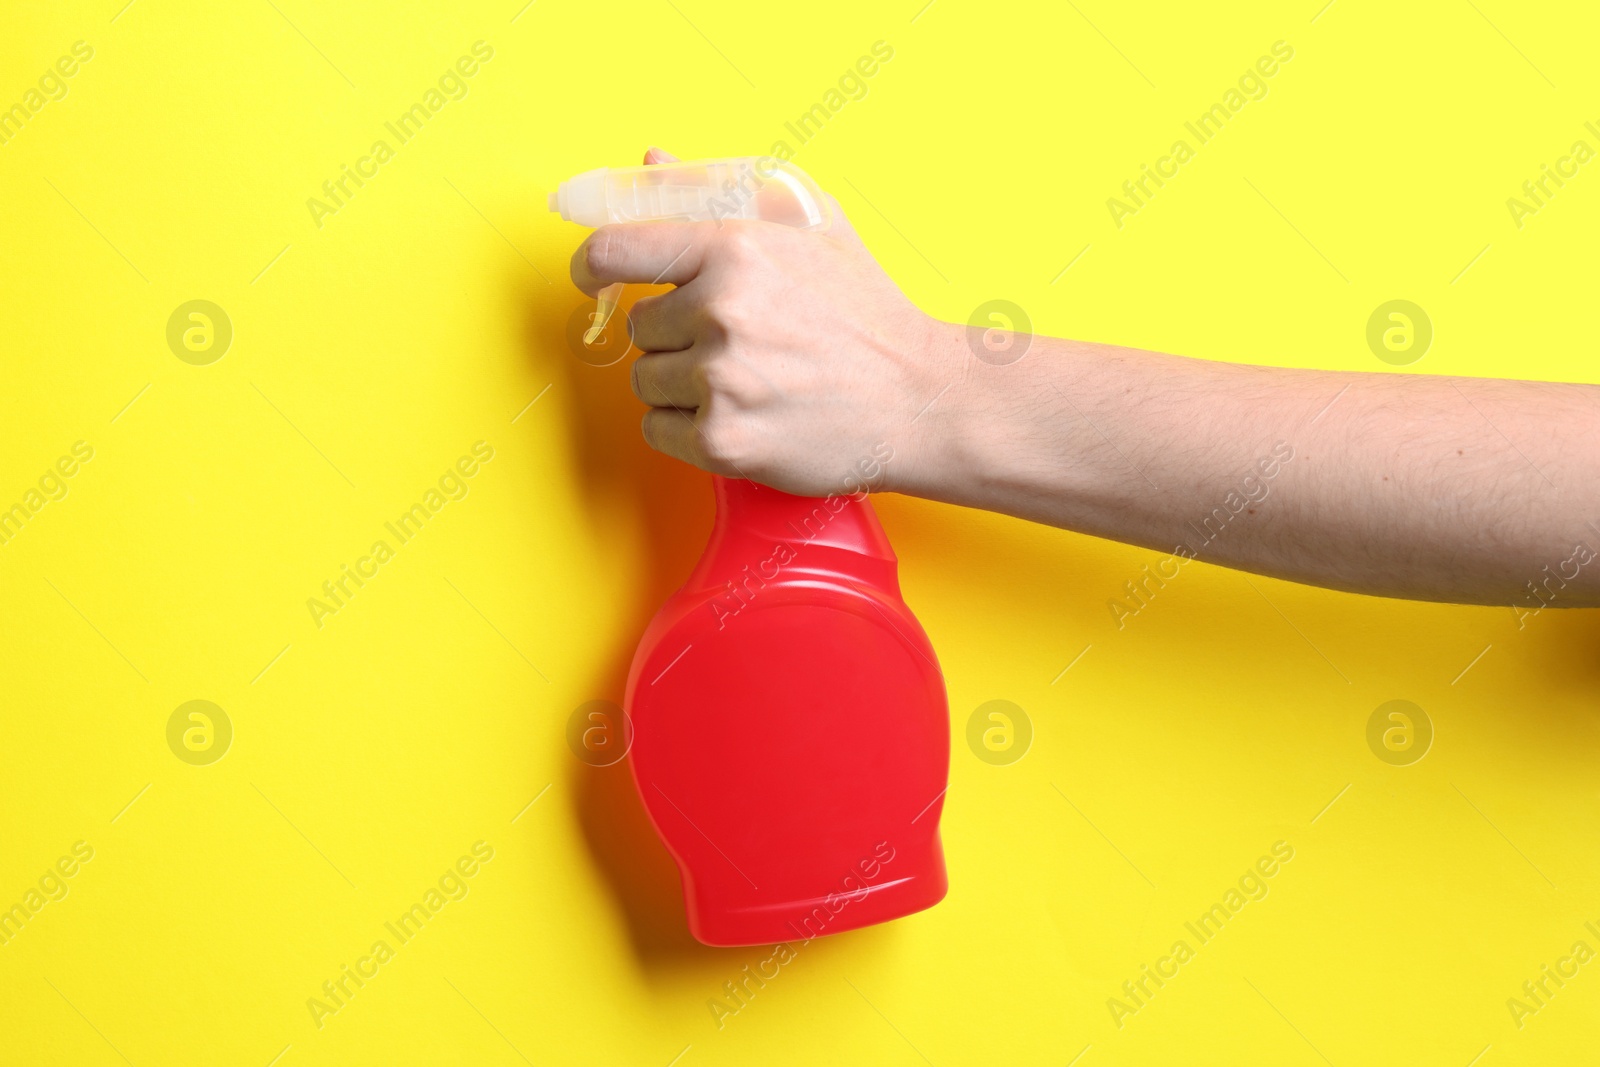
707 190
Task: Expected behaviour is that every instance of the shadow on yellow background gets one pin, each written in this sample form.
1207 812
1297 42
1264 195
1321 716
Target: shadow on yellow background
614 473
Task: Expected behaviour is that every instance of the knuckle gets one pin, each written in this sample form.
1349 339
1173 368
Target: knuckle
729 381
726 443
645 311
712 377
730 313
714 442
741 245
739 378
649 322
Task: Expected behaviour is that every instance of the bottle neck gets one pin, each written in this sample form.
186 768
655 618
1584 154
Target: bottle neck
755 522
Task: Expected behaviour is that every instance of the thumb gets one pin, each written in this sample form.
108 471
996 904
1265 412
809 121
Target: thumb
655 155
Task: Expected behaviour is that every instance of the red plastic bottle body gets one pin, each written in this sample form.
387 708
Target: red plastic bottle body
791 732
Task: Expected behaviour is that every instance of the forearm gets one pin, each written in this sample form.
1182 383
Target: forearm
1463 490
786 357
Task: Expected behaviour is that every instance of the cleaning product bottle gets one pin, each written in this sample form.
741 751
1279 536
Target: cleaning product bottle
791 732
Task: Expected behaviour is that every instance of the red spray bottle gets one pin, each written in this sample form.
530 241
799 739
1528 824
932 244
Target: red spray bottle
790 726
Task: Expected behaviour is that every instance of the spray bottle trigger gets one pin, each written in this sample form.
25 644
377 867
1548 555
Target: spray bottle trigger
605 306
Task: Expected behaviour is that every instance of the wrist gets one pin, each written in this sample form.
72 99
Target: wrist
1009 431
934 450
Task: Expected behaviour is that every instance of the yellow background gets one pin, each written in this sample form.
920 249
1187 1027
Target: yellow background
370 753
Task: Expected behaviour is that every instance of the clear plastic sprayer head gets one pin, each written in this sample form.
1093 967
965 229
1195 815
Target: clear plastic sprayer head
701 190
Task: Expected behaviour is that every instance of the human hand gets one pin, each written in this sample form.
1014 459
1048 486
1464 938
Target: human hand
784 356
